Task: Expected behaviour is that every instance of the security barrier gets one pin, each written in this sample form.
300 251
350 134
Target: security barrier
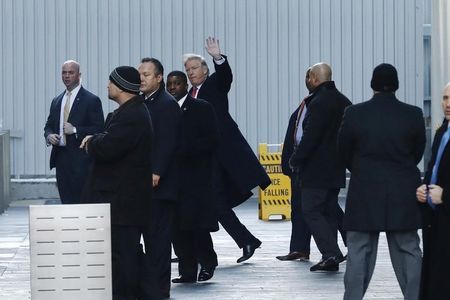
70 252
275 200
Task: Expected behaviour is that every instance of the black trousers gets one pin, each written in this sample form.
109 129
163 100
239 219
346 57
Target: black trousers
340 224
300 234
226 216
125 248
193 247
71 175
157 239
436 246
320 211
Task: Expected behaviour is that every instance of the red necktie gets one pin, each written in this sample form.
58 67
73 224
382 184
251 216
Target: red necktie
299 114
194 92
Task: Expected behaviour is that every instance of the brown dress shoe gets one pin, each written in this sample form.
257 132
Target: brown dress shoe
294 255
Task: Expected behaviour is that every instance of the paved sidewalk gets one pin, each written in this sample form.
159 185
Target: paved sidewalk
261 277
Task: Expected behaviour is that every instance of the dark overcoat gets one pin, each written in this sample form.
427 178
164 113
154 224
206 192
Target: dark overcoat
288 144
235 156
382 141
166 114
122 171
316 158
197 143
436 231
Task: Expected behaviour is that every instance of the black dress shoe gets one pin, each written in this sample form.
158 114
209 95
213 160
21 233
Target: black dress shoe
341 258
248 250
294 255
184 279
328 264
205 274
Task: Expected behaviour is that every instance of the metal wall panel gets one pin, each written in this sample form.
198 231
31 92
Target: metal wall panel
270 44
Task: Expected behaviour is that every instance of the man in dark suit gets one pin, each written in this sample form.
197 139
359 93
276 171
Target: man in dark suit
435 201
74 114
121 174
382 141
237 170
319 169
300 235
166 114
299 247
196 216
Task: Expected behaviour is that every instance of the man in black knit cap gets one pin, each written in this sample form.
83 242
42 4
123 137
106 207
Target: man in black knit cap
121 176
382 141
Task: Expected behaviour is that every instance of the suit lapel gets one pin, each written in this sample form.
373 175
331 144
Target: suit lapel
187 103
202 88
58 107
437 141
76 103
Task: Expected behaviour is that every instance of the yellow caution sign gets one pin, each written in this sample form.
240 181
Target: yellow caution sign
275 200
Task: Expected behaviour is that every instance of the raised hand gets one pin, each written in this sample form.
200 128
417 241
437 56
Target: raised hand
212 47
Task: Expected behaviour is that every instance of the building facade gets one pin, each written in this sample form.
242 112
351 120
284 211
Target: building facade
269 43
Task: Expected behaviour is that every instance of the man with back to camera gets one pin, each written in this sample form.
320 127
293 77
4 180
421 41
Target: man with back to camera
237 170
74 114
381 141
196 216
121 175
319 168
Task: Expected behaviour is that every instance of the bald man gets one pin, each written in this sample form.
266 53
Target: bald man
434 195
318 169
74 114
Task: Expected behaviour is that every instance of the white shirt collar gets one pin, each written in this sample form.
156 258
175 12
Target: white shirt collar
199 86
150 96
181 101
74 92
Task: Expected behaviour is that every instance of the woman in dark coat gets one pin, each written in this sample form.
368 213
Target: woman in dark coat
435 196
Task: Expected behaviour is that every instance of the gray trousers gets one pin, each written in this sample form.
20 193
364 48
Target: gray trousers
406 258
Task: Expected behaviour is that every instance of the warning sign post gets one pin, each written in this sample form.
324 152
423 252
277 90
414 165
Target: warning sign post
275 200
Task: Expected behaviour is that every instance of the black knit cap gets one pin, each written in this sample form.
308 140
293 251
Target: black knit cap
126 78
384 78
